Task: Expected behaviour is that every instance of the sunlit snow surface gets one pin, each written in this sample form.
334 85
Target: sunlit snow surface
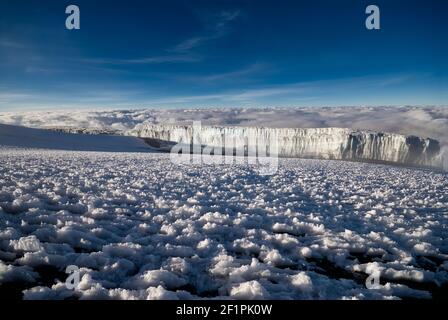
140 227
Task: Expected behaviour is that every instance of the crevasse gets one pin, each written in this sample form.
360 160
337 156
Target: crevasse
318 143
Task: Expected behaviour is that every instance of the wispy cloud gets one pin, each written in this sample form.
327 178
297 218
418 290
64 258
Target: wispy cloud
7 43
145 60
77 98
189 44
234 75
398 79
300 91
217 29
42 70
13 96
369 90
182 52
234 97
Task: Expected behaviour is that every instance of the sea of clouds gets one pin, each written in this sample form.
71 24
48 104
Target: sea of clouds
421 121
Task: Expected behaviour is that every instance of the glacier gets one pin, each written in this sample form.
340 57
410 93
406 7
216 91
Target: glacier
314 143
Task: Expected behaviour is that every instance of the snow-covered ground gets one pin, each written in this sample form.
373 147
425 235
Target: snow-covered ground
23 137
140 227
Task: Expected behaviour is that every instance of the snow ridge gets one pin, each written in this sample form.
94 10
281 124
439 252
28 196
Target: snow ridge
23 137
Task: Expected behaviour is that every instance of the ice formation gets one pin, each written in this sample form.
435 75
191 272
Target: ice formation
316 143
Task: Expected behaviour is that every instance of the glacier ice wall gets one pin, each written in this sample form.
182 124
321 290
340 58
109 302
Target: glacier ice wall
318 143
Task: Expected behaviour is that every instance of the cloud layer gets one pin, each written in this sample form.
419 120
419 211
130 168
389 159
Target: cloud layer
421 121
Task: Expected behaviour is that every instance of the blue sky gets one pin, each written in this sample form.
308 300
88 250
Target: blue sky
177 53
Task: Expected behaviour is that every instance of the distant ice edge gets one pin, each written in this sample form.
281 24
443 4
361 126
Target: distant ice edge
317 143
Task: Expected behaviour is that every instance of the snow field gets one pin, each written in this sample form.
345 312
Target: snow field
140 227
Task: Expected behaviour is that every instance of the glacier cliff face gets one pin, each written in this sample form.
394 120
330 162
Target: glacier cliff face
319 143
